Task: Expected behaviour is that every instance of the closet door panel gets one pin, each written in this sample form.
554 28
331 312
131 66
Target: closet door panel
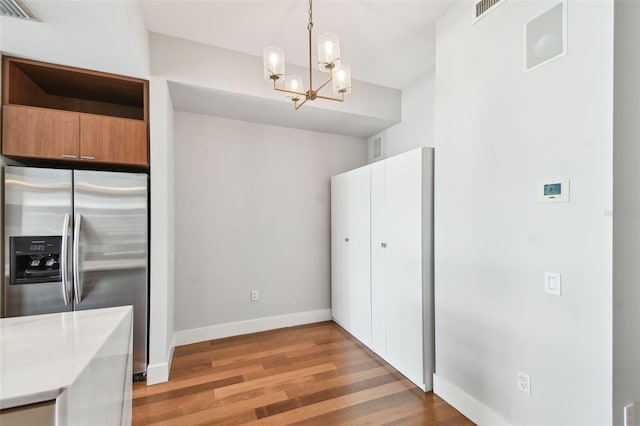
358 247
339 289
403 228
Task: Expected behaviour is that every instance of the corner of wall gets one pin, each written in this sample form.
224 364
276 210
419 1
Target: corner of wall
161 261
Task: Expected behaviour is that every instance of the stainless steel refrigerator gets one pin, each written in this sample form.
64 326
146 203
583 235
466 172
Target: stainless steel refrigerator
76 240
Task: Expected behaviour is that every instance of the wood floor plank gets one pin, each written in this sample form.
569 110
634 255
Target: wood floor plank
188 390
223 413
298 391
330 405
141 390
275 379
212 355
316 374
157 412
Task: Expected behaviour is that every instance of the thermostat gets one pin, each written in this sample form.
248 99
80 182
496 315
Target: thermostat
552 191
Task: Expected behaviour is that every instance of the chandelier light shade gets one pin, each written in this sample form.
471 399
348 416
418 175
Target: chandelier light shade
273 62
342 80
328 51
329 61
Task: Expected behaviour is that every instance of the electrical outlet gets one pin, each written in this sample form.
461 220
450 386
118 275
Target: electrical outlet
629 415
524 382
255 295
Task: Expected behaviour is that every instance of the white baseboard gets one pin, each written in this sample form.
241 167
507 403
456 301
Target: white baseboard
159 373
473 409
186 337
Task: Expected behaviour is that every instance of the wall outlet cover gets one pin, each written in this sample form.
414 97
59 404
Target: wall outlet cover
524 382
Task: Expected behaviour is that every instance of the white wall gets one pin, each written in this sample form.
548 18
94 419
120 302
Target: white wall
252 213
626 210
417 127
162 233
499 130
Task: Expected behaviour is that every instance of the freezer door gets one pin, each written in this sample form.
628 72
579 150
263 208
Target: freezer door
110 248
37 202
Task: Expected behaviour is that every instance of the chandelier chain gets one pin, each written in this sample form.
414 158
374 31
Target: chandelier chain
310 26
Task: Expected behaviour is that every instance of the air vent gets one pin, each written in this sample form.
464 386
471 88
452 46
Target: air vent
483 7
16 9
377 148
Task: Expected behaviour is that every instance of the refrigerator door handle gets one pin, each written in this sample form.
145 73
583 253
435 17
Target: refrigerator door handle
77 285
64 250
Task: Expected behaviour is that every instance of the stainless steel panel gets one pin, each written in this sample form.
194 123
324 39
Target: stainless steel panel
36 201
112 247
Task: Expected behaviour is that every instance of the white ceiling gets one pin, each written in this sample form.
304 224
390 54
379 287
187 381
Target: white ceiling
386 42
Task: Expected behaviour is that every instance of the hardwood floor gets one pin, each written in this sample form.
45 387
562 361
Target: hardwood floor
315 374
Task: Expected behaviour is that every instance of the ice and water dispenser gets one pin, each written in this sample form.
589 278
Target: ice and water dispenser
35 259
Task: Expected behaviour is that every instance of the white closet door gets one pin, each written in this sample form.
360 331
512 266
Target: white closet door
339 280
378 263
403 258
358 248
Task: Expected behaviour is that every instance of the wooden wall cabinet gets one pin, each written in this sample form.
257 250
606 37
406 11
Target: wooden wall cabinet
39 132
54 112
116 140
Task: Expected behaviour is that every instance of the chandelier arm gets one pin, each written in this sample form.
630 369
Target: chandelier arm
301 103
341 99
325 83
291 91
287 90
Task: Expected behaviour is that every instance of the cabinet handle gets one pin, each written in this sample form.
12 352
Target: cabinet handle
383 245
346 240
68 156
87 157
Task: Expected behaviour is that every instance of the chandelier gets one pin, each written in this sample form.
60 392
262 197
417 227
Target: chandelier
328 61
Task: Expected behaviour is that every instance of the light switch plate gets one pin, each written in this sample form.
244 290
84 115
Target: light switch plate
552 283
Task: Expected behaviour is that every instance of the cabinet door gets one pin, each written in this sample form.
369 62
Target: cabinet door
39 132
339 280
403 258
358 253
113 140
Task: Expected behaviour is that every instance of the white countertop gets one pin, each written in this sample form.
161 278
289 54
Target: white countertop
41 355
